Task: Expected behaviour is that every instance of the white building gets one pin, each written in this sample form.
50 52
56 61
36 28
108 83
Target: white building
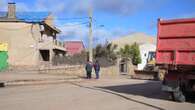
147 52
147 45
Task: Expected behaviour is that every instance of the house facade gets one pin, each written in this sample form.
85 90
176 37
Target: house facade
31 37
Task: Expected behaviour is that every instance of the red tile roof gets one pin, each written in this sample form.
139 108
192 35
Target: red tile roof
74 47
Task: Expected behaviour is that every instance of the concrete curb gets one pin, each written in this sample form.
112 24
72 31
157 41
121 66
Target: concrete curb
38 82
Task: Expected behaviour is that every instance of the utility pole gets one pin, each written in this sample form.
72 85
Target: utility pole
90 35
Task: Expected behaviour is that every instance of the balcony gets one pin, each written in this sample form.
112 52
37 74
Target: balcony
50 43
58 45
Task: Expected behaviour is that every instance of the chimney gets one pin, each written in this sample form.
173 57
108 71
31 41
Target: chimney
11 10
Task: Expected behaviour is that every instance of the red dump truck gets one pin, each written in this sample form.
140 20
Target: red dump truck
175 55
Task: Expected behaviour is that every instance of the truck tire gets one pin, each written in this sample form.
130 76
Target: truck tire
2 84
178 96
161 74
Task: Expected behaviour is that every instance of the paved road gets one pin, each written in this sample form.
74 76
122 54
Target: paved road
27 76
103 94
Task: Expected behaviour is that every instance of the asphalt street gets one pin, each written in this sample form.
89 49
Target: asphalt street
103 94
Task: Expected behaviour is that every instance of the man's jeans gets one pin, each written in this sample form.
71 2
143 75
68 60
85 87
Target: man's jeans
97 74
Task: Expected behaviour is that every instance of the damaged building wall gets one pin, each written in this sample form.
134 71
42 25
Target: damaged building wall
22 39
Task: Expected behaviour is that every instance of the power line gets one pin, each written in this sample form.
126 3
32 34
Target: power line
15 29
77 24
71 18
74 18
62 19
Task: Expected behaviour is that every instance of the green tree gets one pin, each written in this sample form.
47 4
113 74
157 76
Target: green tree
132 52
110 51
126 51
135 54
107 50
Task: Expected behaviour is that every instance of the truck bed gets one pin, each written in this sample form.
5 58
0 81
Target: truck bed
176 42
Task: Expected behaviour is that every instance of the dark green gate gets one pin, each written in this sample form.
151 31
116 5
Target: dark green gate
3 60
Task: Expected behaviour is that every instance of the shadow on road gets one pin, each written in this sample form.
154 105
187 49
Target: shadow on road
119 95
150 89
191 98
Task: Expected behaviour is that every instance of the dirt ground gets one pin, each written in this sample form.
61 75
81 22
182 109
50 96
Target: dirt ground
120 93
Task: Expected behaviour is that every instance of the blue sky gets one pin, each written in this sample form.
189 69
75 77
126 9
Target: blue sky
119 17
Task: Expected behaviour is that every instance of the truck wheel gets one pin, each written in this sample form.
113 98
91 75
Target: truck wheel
161 74
178 96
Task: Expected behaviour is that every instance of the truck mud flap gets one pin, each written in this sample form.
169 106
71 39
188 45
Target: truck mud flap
170 86
169 89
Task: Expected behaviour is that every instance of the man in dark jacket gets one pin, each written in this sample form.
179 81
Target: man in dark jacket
88 69
97 69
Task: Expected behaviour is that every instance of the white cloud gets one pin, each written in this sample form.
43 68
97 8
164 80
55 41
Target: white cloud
39 5
188 15
22 7
77 7
124 7
3 5
80 6
73 31
50 5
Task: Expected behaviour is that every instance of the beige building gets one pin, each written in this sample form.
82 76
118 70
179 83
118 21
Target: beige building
139 38
31 37
147 46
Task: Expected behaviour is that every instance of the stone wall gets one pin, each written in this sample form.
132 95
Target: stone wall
64 69
79 70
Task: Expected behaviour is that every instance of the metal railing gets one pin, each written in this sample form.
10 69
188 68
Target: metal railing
58 43
51 41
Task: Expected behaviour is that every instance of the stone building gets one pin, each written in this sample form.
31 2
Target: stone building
31 37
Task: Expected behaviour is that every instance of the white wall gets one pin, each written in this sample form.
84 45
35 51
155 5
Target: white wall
144 50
